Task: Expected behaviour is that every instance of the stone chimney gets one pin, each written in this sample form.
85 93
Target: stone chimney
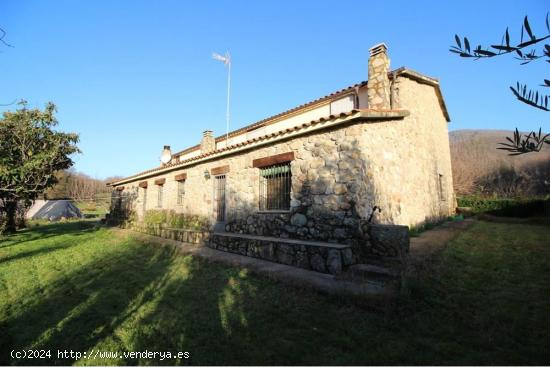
379 83
208 143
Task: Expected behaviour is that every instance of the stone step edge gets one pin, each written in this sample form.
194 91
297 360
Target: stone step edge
374 270
370 273
290 241
171 229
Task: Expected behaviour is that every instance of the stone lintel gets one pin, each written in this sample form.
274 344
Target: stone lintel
160 181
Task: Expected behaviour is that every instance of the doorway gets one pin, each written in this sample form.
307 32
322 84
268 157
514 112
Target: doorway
219 198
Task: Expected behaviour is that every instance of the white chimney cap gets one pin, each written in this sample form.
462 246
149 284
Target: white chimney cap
166 155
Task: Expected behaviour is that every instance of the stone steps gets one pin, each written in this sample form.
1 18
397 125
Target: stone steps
323 257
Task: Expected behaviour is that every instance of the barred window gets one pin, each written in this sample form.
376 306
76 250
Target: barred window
275 182
159 196
181 192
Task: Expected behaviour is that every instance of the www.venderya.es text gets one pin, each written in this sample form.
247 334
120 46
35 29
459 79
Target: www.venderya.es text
96 354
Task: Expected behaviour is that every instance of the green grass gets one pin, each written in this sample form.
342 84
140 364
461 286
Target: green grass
416 231
75 286
92 209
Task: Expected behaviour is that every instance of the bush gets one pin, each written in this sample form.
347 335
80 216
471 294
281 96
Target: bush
154 217
504 207
175 220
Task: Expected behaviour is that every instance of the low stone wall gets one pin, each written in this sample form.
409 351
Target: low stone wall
388 242
320 257
182 235
339 227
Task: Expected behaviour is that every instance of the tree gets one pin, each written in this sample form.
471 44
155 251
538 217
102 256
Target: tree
31 152
3 38
519 143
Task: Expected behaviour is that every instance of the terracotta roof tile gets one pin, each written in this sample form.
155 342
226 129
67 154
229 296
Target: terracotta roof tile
272 119
275 118
237 145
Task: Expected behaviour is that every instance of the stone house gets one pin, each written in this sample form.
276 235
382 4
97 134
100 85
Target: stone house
318 171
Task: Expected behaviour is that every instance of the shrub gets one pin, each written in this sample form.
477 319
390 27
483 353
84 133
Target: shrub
504 207
175 220
154 217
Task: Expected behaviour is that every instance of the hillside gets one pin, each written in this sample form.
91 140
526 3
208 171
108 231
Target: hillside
480 168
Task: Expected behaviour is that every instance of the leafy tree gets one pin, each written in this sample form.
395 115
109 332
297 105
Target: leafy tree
519 143
31 152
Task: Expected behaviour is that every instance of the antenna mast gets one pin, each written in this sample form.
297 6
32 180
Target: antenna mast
226 59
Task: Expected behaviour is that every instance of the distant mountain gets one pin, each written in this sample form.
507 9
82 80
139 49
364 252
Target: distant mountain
479 167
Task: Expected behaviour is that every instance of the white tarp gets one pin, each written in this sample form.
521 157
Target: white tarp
53 210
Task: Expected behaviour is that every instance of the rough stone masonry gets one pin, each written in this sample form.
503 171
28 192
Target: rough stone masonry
377 144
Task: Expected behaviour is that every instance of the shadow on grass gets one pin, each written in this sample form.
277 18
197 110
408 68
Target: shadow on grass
43 231
77 311
39 251
146 297
143 297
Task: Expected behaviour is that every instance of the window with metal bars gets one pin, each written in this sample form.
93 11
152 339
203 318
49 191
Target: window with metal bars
275 182
181 192
219 197
159 196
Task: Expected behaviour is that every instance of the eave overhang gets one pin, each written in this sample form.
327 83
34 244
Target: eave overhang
354 116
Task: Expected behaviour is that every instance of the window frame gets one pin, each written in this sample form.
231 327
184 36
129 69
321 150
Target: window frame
441 187
160 194
180 192
144 198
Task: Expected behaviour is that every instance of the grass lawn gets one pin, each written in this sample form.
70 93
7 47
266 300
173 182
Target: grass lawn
93 209
74 286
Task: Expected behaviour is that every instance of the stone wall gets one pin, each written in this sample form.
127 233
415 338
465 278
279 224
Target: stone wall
177 234
338 175
306 255
387 242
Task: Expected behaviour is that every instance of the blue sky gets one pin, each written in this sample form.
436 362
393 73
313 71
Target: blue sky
132 76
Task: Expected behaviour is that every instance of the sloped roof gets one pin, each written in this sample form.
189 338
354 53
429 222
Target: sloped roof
365 114
301 108
272 119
